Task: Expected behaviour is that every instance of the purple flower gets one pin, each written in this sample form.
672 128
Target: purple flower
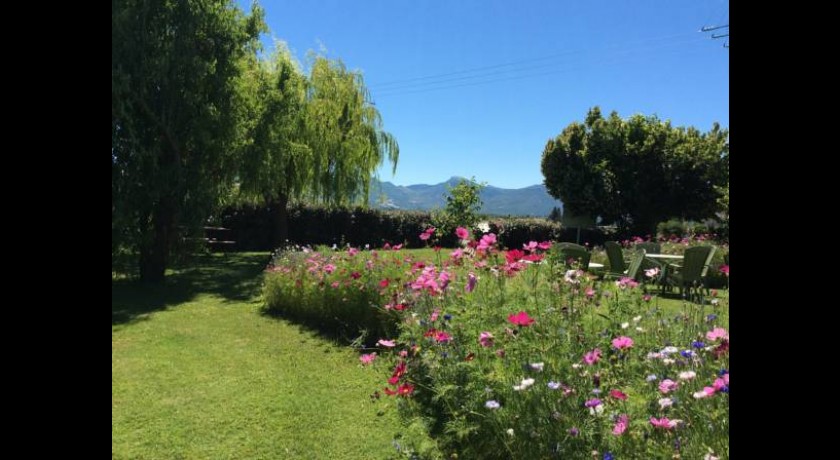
592 403
573 431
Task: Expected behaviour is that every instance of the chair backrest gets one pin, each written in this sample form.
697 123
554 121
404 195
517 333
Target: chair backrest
567 245
634 268
650 247
615 256
575 257
695 261
708 261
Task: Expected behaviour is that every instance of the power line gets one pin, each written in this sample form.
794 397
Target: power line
430 85
514 64
414 86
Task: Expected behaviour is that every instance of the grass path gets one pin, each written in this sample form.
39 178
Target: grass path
198 372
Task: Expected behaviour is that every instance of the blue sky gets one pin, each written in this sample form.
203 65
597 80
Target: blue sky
477 87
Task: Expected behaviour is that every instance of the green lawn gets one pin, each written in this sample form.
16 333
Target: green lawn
198 372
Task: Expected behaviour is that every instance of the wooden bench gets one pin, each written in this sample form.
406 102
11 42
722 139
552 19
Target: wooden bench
221 243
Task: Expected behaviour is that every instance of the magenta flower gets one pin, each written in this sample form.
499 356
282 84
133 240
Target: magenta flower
485 339
462 233
329 268
443 337
622 343
666 386
457 254
592 357
717 333
367 358
663 423
545 245
621 426
618 395
435 315
724 269
521 319
704 393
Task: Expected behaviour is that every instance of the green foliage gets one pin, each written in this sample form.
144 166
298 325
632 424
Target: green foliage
345 133
636 172
463 202
177 117
515 231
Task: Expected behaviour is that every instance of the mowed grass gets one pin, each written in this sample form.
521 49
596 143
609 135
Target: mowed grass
198 372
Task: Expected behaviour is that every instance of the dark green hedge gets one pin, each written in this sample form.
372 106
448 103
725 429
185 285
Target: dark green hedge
313 225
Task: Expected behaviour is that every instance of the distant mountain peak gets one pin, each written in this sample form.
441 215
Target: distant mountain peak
533 200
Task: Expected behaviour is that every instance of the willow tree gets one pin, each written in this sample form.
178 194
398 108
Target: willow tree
345 133
278 162
176 118
636 172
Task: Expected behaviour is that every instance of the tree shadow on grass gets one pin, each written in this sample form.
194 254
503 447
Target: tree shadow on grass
233 276
333 331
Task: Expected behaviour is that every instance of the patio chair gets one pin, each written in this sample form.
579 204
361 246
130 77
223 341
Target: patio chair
615 255
634 269
691 276
575 257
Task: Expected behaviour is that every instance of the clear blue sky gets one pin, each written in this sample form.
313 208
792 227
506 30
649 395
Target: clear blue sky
477 87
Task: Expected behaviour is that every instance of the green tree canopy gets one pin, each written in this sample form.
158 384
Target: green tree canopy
176 116
636 172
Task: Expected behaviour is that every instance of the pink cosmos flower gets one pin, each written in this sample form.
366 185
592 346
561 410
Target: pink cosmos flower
386 343
487 241
367 358
329 268
590 293
618 395
384 283
545 245
521 319
704 393
435 315
443 337
652 272
592 357
622 343
530 246
717 333
462 233
726 379
625 282
621 425
724 269
457 254
663 423
485 339
718 384
352 251
667 386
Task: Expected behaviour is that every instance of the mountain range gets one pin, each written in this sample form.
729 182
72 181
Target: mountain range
529 201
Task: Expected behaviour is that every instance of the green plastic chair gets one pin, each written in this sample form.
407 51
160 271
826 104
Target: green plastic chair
634 269
691 276
616 258
575 257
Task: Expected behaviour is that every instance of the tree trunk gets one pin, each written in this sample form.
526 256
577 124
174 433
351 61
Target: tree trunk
154 254
280 214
